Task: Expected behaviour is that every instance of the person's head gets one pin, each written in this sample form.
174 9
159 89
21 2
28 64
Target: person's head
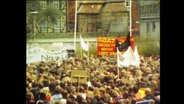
79 98
45 83
152 101
39 84
102 90
29 95
89 96
58 102
42 95
71 89
135 88
58 89
148 91
81 89
41 102
90 88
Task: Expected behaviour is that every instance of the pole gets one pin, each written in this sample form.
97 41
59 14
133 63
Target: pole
117 60
67 16
118 71
81 53
78 83
130 14
88 51
34 25
34 29
75 25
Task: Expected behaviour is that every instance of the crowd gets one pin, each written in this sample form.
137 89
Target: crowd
50 82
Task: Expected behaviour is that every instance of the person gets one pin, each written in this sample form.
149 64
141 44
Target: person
30 98
57 95
42 98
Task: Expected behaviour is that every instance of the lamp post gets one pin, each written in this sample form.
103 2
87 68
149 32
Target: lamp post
75 26
130 14
34 29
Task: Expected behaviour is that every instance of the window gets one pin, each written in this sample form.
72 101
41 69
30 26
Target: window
99 25
43 4
44 27
89 27
127 3
148 28
56 4
57 24
153 26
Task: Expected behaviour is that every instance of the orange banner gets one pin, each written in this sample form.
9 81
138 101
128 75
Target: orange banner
107 46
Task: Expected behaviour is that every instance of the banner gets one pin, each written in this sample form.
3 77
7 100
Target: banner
79 76
143 102
107 45
37 54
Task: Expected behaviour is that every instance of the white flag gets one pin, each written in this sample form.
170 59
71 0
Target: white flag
128 58
83 44
135 60
125 59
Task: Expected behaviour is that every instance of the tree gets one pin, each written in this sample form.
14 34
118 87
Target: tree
31 6
50 15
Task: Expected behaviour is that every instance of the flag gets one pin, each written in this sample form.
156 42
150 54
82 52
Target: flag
123 46
135 59
130 57
124 60
83 44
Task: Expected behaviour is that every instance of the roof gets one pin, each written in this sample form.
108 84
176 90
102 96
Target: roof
90 8
148 3
101 1
115 7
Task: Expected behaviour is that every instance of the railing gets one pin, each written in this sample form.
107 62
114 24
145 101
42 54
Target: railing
71 35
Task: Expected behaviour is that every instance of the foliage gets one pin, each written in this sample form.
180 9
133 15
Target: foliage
31 6
50 14
148 46
92 49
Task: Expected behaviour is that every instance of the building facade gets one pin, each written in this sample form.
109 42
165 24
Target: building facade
60 25
50 17
103 16
100 16
149 12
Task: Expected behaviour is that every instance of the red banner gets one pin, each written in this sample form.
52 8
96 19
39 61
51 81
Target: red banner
107 46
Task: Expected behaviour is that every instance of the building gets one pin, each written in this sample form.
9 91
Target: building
103 17
98 16
60 25
51 15
149 12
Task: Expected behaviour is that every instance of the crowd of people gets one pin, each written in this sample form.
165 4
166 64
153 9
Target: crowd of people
50 82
